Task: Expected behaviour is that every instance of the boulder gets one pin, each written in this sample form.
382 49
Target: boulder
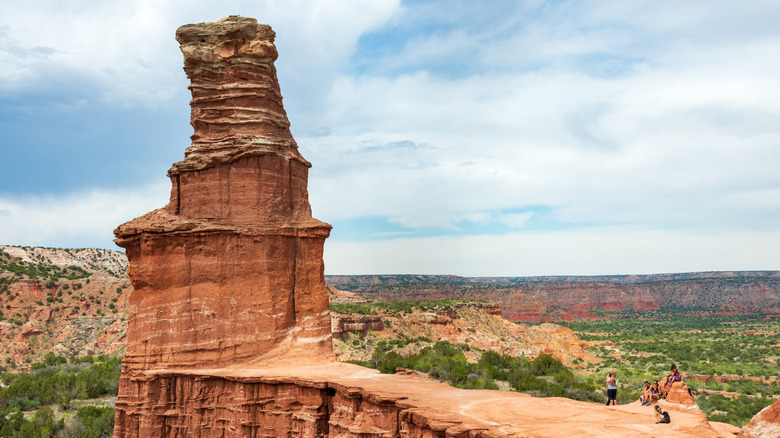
765 424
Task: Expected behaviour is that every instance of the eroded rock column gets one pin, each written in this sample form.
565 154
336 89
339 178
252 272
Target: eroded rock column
230 272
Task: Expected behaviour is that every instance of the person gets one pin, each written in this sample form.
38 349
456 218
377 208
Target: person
611 384
674 376
661 416
654 393
645 395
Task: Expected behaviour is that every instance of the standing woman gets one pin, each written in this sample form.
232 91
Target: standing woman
612 389
611 385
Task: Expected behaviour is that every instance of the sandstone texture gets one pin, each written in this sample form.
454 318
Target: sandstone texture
766 424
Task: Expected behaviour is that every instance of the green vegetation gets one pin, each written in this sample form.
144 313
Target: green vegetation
398 307
36 271
544 376
49 390
741 348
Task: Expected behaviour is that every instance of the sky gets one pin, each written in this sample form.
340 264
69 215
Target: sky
501 138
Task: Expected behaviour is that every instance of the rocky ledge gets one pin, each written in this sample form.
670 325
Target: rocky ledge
344 400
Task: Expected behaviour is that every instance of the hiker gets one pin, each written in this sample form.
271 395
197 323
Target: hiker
661 416
645 395
611 385
674 376
654 394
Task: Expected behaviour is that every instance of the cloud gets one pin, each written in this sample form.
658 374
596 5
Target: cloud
592 251
128 51
80 219
683 137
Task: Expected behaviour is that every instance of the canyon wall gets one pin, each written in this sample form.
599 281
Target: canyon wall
522 299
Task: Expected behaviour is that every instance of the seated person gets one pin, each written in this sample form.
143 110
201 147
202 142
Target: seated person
643 397
653 394
661 416
674 376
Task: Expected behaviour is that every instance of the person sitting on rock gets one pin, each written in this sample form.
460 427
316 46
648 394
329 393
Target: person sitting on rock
653 394
674 376
645 393
661 416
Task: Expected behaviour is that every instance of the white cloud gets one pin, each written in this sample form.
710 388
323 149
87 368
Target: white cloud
127 51
597 251
685 138
80 219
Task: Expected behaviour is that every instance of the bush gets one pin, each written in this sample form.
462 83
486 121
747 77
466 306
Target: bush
94 422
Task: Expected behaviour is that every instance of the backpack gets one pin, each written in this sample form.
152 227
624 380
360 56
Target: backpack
666 418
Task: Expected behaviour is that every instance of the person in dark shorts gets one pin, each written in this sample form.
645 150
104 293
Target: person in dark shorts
611 385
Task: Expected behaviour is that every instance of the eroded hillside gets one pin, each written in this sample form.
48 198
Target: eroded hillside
70 302
359 328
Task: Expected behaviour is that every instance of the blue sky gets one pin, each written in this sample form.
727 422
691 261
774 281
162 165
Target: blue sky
457 137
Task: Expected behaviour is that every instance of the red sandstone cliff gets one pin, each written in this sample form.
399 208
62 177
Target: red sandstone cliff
231 270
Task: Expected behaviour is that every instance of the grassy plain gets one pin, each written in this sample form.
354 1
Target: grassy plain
730 362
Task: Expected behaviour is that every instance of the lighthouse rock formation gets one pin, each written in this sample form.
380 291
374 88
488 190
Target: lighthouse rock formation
229 330
231 269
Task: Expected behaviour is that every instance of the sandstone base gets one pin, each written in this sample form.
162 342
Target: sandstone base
679 394
344 400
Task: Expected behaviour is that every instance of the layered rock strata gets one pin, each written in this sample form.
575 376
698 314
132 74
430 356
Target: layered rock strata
231 270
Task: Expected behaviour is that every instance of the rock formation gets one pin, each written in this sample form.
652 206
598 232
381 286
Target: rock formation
231 270
680 394
229 331
765 424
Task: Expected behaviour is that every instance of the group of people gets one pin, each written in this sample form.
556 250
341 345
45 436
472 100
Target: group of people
650 394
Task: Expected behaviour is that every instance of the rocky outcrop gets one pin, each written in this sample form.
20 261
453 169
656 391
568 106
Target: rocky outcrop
230 271
765 424
478 325
680 394
344 400
350 323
